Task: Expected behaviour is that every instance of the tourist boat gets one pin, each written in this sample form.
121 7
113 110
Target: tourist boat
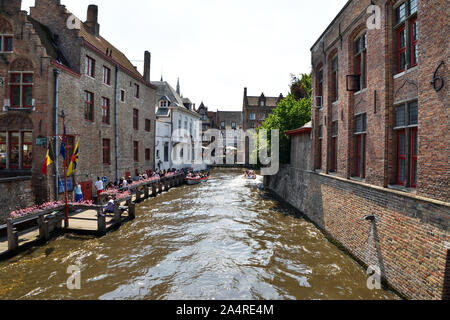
192 181
251 177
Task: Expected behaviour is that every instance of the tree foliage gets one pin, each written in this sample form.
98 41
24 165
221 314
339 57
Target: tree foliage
292 112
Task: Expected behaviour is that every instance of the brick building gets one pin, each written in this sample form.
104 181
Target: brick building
230 124
374 170
377 118
256 109
51 63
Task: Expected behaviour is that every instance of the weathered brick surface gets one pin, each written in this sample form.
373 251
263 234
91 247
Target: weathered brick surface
408 242
386 89
15 193
52 14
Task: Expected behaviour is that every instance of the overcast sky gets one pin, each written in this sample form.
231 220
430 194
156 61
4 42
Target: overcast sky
215 47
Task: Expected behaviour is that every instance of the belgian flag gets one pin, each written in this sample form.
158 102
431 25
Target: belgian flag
49 159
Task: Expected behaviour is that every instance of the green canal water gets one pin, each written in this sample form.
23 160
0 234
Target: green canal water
225 239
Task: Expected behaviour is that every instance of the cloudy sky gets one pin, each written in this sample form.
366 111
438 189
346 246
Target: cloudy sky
215 47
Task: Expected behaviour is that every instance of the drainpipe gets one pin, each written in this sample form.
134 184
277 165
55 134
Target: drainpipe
116 123
56 73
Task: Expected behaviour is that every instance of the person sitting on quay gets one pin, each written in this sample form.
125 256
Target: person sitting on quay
110 205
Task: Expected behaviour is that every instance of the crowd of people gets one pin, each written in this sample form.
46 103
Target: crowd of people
197 175
123 183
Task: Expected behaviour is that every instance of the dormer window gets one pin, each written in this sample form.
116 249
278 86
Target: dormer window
163 104
6 43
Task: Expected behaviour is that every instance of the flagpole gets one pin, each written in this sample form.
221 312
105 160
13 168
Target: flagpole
66 211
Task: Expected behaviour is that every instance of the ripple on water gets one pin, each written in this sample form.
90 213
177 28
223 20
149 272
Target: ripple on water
225 239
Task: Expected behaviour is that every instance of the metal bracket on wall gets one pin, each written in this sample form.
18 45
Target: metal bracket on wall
437 79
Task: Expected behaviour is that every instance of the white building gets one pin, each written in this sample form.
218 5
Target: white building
163 145
185 129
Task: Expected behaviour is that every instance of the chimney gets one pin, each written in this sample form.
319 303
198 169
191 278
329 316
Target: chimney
11 6
147 59
245 92
92 20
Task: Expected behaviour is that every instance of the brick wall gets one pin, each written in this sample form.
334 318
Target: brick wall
386 89
410 236
15 193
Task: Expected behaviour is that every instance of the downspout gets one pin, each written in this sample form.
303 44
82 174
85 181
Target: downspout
56 96
116 123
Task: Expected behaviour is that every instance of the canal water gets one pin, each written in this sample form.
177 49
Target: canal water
224 239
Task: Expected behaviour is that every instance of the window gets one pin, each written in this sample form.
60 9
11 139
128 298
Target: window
360 145
6 43
136 90
401 49
157 154
180 123
163 104
21 90
27 150
406 35
3 150
406 122
319 149
122 95
233 125
106 75
262 103
334 145
222 125
414 42
147 154
262 116
90 67
89 106
14 150
252 125
105 110
106 151
252 116
361 60
166 152
135 119
148 125
334 80
319 88
136 151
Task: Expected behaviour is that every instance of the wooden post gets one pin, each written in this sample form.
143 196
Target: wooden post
41 222
131 209
117 213
154 189
101 221
146 192
13 237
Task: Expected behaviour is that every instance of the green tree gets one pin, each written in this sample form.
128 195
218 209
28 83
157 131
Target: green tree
291 113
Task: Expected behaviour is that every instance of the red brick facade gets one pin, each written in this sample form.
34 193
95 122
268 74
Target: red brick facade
388 156
43 43
423 167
